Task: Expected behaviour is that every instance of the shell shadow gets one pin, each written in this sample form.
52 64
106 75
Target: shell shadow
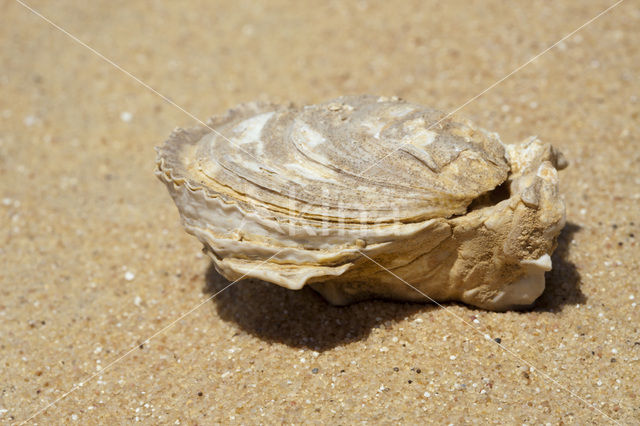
563 281
303 319
300 318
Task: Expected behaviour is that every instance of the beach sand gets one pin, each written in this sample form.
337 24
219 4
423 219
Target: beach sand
109 312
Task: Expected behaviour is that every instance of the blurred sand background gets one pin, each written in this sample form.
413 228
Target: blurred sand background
93 259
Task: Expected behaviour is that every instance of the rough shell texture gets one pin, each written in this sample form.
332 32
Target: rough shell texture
307 195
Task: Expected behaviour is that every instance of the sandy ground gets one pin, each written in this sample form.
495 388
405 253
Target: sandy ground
93 259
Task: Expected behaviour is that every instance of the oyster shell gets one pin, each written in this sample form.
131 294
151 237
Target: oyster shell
312 195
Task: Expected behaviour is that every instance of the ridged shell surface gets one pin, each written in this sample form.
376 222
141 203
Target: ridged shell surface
315 156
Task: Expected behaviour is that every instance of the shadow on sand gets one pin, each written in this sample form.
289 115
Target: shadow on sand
300 318
303 319
563 281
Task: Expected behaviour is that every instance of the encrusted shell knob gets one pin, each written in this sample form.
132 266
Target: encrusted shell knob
365 197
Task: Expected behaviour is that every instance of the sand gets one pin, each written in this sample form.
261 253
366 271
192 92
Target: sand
94 262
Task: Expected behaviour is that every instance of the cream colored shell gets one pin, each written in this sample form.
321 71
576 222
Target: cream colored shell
307 195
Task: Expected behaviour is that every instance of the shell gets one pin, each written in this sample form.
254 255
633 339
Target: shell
356 195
